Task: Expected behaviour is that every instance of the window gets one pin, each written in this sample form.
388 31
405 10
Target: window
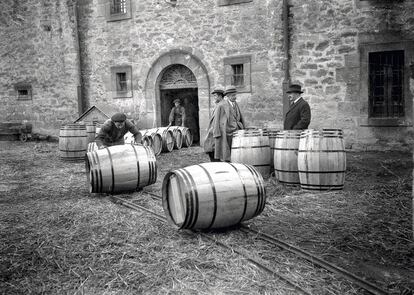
118 7
384 80
231 2
23 91
118 10
237 72
237 78
386 84
121 81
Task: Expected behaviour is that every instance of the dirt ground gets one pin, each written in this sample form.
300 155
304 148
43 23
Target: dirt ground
56 238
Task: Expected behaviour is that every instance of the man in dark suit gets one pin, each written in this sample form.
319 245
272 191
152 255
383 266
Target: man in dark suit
299 114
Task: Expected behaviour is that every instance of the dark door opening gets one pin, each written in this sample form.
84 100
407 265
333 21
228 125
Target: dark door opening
189 100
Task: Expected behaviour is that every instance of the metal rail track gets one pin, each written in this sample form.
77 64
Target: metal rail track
371 288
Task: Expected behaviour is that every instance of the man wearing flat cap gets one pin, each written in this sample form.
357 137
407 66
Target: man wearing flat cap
209 142
228 119
113 130
298 116
177 114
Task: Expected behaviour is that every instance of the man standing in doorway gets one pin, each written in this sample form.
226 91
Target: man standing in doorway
177 114
298 116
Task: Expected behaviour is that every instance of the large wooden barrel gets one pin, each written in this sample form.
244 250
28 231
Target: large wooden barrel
90 131
212 195
286 156
322 159
178 136
120 168
187 136
251 147
272 138
130 139
156 139
73 142
167 138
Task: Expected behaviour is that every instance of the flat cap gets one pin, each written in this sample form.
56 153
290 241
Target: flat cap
118 117
177 100
218 90
230 89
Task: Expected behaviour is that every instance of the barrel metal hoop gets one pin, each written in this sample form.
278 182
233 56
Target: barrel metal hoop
99 172
112 170
250 147
318 172
260 190
138 168
319 151
285 149
194 199
213 187
245 193
188 199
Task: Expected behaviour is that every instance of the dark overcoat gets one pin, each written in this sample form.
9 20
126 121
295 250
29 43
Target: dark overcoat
298 116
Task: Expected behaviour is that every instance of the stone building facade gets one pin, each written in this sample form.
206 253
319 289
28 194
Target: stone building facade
354 59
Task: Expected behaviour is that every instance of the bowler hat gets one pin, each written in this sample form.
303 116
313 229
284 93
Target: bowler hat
177 100
118 117
218 90
294 88
230 89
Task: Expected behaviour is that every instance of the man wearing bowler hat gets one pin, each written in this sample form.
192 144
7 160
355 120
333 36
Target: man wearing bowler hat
177 114
113 130
298 116
228 119
209 142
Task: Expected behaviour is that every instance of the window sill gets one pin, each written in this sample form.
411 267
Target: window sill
231 2
386 122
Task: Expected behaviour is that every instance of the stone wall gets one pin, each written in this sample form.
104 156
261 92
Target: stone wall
38 49
328 40
202 29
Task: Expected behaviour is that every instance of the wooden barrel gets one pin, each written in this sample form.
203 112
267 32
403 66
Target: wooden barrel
286 156
144 140
92 146
120 168
187 136
212 195
322 159
73 142
156 140
272 138
251 147
178 136
90 131
167 138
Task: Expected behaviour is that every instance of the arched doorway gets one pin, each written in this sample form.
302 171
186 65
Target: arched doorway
177 81
151 117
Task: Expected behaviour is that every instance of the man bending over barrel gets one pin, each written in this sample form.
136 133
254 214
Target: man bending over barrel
113 130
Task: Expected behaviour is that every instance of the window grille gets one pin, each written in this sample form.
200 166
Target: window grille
386 84
118 7
238 75
121 82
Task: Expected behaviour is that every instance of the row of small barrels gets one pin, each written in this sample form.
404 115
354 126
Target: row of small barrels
315 159
75 140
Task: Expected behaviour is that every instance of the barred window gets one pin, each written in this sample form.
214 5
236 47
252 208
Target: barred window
237 72
237 78
118 7
386 84
121 82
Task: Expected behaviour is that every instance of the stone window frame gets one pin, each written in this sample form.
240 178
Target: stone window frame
127 69
376 3
231 2
20 88
245 60
365 49
119 16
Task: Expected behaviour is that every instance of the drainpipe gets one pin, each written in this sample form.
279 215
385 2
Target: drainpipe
286 51
82 103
